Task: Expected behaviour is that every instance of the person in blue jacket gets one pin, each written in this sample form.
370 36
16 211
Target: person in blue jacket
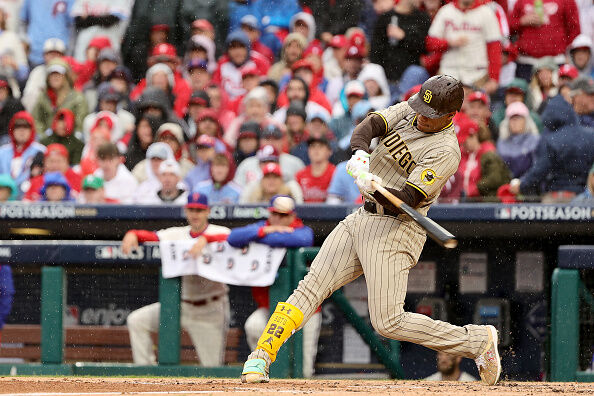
564 155
282 229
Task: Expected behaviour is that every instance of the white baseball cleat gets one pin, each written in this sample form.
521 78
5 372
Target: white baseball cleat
489 363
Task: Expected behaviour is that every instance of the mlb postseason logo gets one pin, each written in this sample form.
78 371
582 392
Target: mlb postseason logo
544 213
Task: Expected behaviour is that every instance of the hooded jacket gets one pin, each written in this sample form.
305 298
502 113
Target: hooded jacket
45 109
8 108
16 161
136 152
52 179
179 88
565 152
518 151
73 144
376 73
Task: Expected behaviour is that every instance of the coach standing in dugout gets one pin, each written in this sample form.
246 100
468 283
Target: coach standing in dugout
205 304
418 152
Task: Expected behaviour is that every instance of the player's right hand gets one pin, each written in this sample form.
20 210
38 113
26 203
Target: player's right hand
129 242
358 163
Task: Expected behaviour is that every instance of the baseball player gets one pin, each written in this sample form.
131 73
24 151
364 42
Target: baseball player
282 229
205 304
417 154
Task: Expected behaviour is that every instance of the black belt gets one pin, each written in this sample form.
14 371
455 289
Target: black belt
200 303
371 207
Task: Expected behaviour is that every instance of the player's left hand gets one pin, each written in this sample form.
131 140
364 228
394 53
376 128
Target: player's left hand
364 180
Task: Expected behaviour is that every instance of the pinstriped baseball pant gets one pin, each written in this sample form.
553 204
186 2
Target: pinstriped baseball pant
383 248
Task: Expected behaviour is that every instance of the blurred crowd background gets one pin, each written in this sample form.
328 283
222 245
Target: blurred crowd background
147 101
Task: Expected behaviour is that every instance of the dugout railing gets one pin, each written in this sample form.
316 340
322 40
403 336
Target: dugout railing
55 256
572 301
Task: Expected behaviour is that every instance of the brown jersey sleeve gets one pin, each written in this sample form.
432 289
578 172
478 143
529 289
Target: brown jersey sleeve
371 127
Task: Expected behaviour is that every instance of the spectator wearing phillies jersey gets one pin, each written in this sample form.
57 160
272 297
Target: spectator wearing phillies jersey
236 58
557 20
282 229
467 33
204 303
315 178
55 160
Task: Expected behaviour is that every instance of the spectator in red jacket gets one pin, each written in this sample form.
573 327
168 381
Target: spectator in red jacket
315 178
180 89
543 31
55 160
467 33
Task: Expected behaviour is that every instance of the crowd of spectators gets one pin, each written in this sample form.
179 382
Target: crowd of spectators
148 101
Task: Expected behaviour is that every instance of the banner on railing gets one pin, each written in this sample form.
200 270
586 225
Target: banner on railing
254 265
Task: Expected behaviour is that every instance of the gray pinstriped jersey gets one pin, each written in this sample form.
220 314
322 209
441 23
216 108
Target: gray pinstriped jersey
406 155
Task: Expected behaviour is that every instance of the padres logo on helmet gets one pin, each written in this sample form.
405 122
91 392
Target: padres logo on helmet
428 176
427 97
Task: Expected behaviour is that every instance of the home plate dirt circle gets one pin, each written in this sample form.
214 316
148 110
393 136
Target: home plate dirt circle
46 386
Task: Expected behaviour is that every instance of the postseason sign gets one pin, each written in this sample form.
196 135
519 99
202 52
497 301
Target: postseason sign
254 265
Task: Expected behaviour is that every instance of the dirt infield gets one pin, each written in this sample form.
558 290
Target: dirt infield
42 386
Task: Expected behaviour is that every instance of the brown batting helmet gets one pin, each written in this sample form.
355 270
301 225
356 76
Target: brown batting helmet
439 95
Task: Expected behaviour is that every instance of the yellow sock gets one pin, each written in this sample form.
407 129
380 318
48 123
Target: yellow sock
283 322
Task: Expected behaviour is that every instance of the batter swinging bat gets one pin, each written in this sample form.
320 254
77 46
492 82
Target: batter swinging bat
439 234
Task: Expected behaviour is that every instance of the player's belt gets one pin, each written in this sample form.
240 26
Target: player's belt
371 207
200 303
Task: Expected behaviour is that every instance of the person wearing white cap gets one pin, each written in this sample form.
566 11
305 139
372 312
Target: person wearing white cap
52 48
148 169
170 190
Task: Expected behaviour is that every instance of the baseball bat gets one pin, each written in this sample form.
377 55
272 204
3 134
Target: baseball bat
439 234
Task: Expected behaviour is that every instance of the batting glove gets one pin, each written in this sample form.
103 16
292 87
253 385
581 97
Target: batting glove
358 163
363 181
